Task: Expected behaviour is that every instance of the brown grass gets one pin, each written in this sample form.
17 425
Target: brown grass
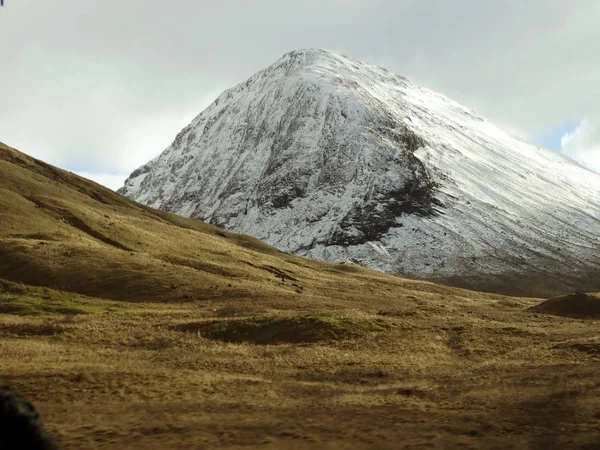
197 338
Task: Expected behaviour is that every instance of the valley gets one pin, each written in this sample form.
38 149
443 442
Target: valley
134 328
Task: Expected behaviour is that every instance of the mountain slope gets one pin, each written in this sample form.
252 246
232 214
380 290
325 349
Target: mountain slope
60 231
338 160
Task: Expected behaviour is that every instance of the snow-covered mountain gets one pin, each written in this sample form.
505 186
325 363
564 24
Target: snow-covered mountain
338 160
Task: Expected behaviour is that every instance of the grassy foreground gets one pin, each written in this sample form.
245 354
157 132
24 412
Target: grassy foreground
131 328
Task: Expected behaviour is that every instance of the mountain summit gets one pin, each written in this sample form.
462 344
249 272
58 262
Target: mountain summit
334 159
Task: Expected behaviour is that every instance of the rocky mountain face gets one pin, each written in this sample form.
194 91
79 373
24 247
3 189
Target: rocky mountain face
338 160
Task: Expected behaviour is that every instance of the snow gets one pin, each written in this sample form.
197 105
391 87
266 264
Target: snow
289 154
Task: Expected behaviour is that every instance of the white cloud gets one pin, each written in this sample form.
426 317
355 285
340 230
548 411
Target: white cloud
583 144
111 181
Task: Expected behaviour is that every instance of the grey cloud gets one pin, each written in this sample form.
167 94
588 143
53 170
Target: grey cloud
103 88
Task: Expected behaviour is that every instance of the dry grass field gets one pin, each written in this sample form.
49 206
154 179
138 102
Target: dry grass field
131 328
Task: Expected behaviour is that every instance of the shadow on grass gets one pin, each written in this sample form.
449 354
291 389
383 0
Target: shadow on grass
292 330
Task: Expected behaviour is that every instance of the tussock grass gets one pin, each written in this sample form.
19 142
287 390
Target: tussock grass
481 376
32 329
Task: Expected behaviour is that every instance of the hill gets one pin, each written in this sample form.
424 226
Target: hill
133 328
334 159
579 305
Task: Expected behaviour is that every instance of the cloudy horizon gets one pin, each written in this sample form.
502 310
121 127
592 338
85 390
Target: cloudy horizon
100 90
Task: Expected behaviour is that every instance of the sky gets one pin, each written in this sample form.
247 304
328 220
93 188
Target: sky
100 88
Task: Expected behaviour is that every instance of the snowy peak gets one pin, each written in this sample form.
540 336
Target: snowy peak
326 64
339 160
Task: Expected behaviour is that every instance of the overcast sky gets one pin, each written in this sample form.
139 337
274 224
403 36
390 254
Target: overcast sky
101 87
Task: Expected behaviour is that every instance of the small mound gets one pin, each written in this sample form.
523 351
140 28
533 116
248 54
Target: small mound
295 330
579 305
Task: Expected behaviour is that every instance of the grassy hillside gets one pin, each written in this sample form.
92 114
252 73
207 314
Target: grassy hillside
134 328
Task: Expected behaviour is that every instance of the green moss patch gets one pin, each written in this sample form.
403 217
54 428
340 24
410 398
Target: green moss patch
21 300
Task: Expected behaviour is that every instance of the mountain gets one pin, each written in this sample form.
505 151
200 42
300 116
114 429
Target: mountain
338 160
